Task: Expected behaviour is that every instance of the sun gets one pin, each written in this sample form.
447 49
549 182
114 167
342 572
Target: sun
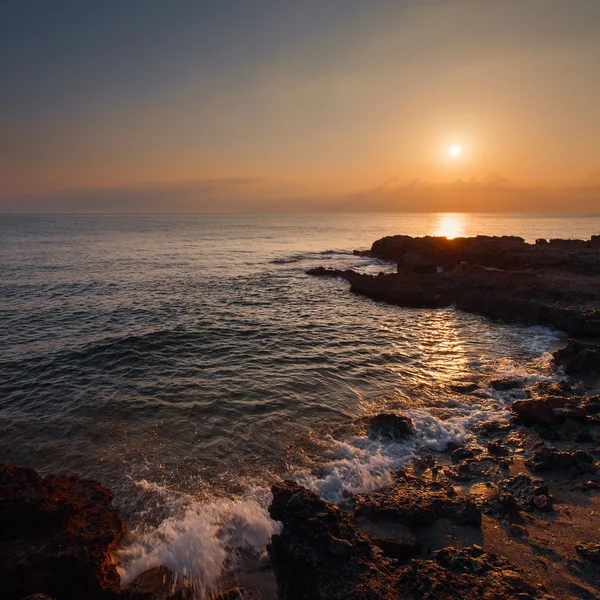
455 151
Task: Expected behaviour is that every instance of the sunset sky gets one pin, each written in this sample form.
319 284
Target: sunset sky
250 105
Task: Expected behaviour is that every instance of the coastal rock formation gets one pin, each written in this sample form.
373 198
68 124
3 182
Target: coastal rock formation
550 459
466 574
554 284
321 555
578 357
520 493
57 536
389 425
416 501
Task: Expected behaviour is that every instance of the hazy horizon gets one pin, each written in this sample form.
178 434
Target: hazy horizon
337 106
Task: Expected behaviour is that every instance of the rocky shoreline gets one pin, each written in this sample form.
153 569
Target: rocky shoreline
515 514
550 283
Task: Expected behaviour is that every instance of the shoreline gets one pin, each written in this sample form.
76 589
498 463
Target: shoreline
382 534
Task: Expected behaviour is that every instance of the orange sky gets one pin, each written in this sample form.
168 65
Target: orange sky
351 105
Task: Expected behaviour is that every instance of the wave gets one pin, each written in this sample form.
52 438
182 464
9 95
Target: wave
201 542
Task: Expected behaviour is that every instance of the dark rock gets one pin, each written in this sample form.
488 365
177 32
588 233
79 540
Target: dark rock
497 449
475 468
548 459
395 539
465 574
391 426
578 358
584 437
57 534
507 384
491 427
499 277
464 452
347 274
590 551
539 411
417 502
417 263
320 554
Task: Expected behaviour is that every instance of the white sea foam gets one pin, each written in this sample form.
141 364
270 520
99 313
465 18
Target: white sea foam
198 545
200 541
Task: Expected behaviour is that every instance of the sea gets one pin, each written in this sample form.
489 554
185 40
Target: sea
188 362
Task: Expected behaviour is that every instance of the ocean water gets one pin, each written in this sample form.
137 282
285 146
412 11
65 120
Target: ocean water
188 362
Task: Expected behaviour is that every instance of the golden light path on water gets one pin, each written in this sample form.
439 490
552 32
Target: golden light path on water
449 225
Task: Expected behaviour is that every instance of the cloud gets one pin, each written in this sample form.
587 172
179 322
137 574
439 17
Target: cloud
492 193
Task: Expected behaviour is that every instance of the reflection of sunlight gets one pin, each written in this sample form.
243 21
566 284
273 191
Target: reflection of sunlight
449 225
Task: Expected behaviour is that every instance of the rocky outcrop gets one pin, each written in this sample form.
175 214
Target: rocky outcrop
320 554
416 502
550 459
57 536
388 425
506 252
465 574
520 493
552 284
578 358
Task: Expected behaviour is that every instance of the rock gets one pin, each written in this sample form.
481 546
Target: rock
497 449
464 452
550 284
475 468
502 385
584 437
347 274
58 534
465 574
491 427
39 597
539 411
417 502
578 358
548 459
306 567
320 554
395 539
590 551
391 426
416 263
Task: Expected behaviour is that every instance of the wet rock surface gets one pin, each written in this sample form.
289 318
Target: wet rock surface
389 426
555 284
416 501
57 536
579 357
467 573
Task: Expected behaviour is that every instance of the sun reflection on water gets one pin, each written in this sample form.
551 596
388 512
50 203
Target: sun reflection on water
449 225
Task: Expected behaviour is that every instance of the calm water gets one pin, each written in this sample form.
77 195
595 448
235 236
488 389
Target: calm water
188 361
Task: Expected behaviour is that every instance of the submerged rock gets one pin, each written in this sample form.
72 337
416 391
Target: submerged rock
391 426
57 535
